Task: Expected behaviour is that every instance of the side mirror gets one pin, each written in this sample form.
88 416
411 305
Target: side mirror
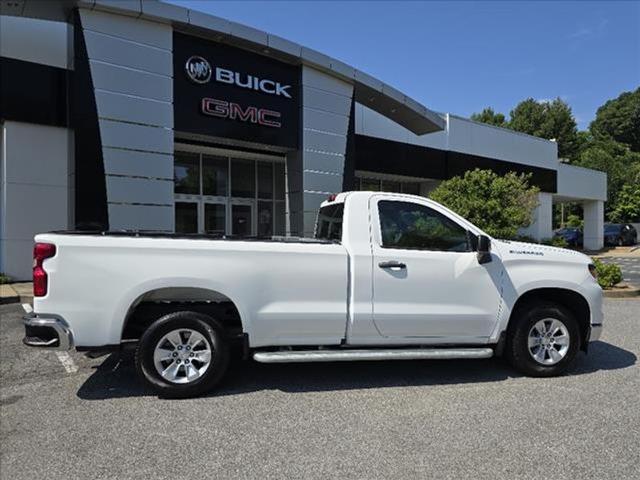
484 249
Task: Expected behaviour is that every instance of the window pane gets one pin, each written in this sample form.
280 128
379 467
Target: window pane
214 218
369 185
329 226
186 173
265 219
411 226
280 219
388 186
265 180
412 188
241 220
214 176
186 217
243 178
279 180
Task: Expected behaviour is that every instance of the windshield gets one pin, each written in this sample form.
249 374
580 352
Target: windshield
612 228
329 224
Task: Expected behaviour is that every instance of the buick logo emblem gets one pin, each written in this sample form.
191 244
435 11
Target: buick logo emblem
198 69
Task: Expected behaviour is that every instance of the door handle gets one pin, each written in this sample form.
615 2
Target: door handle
392 264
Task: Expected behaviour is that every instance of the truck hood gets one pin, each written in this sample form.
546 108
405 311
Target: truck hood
510 250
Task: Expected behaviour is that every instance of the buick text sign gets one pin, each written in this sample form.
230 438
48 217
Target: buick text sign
230 93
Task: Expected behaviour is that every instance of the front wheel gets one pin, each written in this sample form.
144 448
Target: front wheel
183 354
544 340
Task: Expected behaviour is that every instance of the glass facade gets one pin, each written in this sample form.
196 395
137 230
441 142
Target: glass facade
186 217
226 195
377 185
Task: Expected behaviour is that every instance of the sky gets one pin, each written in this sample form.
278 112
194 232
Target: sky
462 56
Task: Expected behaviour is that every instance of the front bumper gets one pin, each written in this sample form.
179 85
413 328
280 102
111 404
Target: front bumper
47 331
596 332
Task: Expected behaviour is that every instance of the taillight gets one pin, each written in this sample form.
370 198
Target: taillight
41 251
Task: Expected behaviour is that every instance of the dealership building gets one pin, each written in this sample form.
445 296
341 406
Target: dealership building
141 115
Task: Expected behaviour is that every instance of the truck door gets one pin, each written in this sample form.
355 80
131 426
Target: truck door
427 282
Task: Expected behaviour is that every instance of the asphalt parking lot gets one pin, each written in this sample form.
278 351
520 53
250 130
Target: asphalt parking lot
630 268
75 417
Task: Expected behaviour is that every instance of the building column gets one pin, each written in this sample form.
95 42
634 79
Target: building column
316 170
593 224
542 222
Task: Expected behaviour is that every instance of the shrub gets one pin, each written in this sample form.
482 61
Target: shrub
609 274
555 242
574 221
500 205
4 278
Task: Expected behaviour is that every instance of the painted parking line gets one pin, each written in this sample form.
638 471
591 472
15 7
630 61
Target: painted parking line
65 359
67 362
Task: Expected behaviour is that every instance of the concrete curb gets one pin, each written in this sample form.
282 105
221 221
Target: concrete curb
628 292
620 252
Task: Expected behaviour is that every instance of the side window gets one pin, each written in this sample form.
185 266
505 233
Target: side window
329 225
412 226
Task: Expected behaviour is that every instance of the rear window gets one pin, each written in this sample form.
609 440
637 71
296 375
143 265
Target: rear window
329 225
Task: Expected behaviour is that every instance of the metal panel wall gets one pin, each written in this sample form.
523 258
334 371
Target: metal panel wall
36 190
131 67
315 170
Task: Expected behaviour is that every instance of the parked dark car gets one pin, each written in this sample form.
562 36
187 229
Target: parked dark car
572 235
620 234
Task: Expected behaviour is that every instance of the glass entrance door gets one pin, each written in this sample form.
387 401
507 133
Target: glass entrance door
223 192
242 219
215 218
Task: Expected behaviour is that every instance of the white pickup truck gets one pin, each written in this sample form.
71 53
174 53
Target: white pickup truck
387 276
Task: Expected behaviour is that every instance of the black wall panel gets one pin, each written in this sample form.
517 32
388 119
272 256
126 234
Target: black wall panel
33 93
390 157
91 190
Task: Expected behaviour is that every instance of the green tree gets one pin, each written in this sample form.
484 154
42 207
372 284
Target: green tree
619 119
500 205
550 120
527 117
585 140
489 116
627 208
621 165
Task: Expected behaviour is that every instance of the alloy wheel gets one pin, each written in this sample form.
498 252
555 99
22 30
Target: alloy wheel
548 341
182 356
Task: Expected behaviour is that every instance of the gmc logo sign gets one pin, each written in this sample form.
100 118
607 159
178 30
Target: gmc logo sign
233 111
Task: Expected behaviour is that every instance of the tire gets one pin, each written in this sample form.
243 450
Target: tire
535 361
178 332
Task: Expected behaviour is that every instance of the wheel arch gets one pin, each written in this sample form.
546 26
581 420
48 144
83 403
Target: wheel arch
157 302
572 300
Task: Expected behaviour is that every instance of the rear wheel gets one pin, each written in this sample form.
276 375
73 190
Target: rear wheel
183 354
544 340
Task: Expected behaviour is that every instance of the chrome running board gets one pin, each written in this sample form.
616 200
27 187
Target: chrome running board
291 356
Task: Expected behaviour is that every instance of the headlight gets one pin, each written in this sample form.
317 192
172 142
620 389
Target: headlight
593 271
